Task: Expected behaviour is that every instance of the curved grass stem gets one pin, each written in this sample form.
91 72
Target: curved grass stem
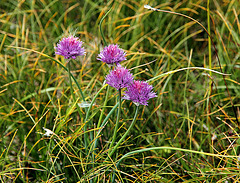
100 26
168 148
58 62
215 49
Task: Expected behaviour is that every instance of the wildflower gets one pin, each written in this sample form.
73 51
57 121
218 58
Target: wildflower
139 92
47 132
70 47
119 78
112 54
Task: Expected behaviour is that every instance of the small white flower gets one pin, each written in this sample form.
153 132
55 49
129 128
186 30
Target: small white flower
84 104
48 132
149 7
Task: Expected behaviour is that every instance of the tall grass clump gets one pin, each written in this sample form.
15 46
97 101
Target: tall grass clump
119 91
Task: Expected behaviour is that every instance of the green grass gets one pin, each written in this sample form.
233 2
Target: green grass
194 114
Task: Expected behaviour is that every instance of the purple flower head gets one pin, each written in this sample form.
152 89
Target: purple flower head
119 78
112 54
139 92
70 47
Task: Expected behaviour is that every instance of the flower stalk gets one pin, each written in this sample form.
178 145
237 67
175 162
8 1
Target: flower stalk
71 88
117 122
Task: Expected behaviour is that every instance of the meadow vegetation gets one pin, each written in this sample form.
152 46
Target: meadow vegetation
188 133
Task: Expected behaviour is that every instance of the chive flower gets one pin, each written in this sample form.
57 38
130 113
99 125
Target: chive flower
70 47
119 78
139 92
112 54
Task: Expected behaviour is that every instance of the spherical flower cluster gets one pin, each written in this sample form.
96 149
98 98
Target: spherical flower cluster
112 54
70 47
139 92
119 78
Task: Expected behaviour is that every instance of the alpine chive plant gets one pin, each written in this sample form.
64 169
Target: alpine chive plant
82 130
119 78
139 92
70 47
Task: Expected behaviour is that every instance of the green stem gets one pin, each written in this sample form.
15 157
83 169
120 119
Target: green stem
71 88
209 40
99 131
105 44
86 118
103 109
208 105
126 133
117 122
103 124
65 68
